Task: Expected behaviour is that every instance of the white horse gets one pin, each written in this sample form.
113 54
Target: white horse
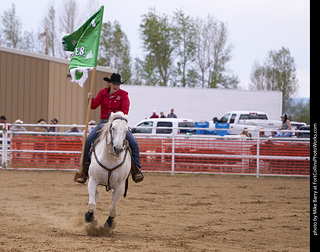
110 165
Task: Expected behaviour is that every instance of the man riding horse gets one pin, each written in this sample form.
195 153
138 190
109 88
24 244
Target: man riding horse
111 99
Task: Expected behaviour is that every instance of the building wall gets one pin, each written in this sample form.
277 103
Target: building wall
34 86
24 92
199 104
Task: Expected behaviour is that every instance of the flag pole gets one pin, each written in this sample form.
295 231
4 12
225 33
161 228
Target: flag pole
80 170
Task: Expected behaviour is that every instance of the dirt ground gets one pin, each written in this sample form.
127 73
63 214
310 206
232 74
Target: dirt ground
44 211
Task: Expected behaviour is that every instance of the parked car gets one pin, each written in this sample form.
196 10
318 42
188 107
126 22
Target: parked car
172 126
304 134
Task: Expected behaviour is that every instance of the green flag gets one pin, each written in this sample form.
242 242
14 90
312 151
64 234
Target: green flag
84 43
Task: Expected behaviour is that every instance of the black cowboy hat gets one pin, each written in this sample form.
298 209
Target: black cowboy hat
115 79
3 117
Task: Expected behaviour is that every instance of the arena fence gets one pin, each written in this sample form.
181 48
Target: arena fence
186 153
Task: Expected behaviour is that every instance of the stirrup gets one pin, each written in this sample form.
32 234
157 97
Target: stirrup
137 175
82 178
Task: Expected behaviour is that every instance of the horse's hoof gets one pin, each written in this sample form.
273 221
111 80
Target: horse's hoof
111 223
88 217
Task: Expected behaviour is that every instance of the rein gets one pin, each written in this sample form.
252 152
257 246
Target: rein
110 170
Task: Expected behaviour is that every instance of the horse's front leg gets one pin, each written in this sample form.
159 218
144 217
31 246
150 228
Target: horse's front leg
116 195
93 196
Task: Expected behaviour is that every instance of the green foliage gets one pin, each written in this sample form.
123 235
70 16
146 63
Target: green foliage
299 111
278 73
156 34
11 27
185 52
184 41
114 50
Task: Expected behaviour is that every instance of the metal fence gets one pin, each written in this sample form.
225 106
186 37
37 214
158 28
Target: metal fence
185 153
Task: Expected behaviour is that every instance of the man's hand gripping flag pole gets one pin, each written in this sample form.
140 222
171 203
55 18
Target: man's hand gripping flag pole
84 43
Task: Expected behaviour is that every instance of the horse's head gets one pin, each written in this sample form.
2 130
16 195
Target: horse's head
118 127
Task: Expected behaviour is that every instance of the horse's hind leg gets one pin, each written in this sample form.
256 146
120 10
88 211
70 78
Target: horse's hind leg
93 195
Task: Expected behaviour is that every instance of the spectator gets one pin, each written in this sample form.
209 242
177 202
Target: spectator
3 120
54 129
74 129
91 125
262 133
18 126
154 114
171 114
245 132
41 128
39 144
162 115
286 125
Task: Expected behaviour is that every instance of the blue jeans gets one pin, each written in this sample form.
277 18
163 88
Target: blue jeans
282 134
132 142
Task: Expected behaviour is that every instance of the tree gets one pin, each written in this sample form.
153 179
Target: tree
185 32
277 73
68 20
202 52
213 52
299 111
156 34
49 23
28 43
145 73
68 17
91 8
12 27
115 49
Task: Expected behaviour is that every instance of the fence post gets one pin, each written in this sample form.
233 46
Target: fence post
172 158
4 146
258 153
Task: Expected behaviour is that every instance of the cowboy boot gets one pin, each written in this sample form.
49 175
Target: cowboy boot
82 178
136 173
84 175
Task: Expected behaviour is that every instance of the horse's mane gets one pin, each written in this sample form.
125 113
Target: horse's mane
104 131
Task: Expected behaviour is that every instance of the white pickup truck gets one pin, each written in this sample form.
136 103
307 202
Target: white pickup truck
252 120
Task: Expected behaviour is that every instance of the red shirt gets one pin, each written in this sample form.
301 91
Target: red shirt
119 101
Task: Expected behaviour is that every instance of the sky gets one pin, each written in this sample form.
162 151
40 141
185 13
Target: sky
255 27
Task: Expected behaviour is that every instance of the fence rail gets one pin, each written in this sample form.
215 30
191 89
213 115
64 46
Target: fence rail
167 153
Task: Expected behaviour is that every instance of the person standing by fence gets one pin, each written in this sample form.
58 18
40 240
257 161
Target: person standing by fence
171 114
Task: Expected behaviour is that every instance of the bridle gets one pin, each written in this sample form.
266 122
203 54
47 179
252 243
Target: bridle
110 130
